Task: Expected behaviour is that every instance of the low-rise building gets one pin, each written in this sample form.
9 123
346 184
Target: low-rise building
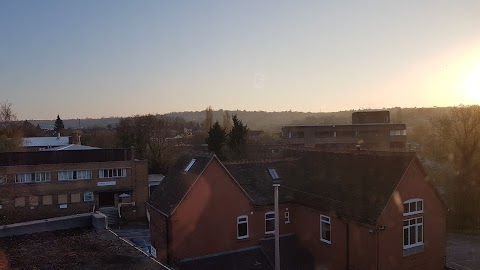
44 184
361 210
369 130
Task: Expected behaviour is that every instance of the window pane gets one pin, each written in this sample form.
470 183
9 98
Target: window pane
413 236
405 223
420 233
420 205
412 221
406 207
326 231
405 236
270 225
242 229
413 207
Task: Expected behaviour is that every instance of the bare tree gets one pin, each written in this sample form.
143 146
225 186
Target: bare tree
456 139
227 121
10 134
208 118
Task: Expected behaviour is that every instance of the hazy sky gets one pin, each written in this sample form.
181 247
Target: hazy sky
119 58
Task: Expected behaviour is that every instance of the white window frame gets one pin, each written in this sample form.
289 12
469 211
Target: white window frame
242 220
416 226
88 194
33 177
268 219
325 220
418 204
113 173
287 216
74 175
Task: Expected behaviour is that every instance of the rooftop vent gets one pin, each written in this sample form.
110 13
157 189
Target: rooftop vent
189 165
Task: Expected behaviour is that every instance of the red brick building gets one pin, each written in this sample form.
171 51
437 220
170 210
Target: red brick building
38 185
337 211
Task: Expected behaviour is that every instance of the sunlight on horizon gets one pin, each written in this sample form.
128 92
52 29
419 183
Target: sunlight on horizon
471 84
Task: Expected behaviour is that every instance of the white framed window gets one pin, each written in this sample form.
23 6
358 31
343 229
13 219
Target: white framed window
112 173
412 232
401 132
74 175
242 227
88 196
270 222
325 229
287 216
412 207
32 177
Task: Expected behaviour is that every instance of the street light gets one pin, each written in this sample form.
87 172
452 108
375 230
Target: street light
276 184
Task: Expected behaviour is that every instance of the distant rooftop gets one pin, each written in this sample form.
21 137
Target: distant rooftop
82 248
45 141
70 147
58 157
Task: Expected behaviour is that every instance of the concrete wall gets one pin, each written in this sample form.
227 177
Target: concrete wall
96 220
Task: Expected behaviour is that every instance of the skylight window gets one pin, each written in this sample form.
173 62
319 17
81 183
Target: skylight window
273 174
190 165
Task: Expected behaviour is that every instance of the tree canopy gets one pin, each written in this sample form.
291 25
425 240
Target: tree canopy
58 124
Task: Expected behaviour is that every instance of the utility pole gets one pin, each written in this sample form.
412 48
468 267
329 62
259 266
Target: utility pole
277 228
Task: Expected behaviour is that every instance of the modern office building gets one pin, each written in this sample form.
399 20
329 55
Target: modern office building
369 131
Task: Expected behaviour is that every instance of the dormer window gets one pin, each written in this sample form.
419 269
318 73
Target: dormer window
189 165
412 207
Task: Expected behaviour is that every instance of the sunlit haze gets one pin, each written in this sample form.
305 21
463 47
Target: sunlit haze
119 58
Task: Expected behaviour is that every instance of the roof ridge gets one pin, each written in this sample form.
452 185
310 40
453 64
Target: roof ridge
245 161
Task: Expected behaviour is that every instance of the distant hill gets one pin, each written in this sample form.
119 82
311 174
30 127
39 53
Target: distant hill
269 121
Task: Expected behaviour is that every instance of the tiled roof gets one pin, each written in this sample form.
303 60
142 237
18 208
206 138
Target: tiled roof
72 249
353 185
177 182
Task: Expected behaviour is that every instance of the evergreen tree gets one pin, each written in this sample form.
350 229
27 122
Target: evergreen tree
58 124
237 138
208 118
216 139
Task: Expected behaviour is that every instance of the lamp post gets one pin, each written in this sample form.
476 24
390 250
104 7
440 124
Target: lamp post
276 185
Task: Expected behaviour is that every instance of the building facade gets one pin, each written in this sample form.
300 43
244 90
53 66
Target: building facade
38 185
369 130
362 211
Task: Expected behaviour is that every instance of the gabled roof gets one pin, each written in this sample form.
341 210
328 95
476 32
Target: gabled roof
176 184
356 186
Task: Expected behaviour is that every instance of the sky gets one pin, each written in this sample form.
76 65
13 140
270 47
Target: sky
105 58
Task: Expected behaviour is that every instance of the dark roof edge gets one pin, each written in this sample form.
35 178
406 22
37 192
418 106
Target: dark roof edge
193 184
218 254
432 184
234 180
156 209
396 187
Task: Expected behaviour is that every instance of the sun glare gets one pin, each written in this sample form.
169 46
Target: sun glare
472 85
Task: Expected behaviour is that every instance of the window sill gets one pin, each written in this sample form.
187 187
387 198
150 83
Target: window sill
326 241
413 250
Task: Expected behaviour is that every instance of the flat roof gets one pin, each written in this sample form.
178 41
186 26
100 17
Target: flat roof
346 125
83 248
